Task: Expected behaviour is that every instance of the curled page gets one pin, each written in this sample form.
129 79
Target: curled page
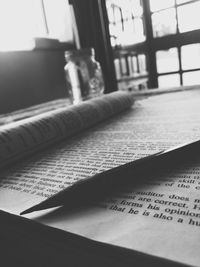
33 134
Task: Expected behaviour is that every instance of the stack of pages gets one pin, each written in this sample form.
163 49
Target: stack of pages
156 217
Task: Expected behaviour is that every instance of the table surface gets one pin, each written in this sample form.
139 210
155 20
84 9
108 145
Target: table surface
63 102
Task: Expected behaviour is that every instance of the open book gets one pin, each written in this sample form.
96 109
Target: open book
49 152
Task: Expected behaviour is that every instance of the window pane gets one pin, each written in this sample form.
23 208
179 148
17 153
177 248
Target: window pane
131 5
136 8
110 14
59 20
191 78
190 55
23 20
135 64
123 66
115 29
156 5
169 80
188 17
117 15
126 14
20 21
125 21
117 68
142 63
133 32
164 22
113 41
167 61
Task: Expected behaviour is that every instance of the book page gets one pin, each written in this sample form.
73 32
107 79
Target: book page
24 137
160 216
150 126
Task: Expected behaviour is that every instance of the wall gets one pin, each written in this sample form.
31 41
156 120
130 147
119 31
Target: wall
30 77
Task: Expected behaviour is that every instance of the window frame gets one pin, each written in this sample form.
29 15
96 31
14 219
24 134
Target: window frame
153 44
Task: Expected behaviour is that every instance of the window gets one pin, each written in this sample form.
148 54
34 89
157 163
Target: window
23 20
189 55
164 22
169 80
191 12
127 27
167 60
171 38
126 22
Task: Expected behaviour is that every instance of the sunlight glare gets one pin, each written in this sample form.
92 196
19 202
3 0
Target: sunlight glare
20 22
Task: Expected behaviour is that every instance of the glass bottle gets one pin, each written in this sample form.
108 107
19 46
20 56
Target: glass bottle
83 75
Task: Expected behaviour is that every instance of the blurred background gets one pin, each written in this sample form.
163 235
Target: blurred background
140 44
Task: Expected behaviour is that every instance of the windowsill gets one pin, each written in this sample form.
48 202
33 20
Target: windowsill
37 44
52 44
